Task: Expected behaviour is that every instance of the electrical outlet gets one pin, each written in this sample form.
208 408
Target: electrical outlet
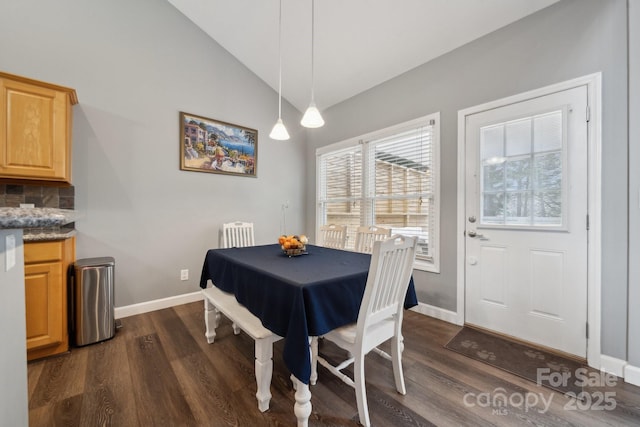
184 274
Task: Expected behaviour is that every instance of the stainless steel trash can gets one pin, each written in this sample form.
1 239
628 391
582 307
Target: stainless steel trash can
92 300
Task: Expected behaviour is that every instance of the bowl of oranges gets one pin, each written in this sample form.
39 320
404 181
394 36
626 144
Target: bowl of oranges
293 245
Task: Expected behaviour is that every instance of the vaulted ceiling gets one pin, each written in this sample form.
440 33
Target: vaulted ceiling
358 43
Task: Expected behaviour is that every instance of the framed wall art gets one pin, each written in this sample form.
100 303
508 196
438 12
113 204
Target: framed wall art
208 145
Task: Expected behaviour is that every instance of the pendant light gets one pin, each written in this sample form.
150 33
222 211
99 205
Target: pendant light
279 132
312 117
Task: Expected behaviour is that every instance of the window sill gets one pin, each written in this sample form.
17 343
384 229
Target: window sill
428 266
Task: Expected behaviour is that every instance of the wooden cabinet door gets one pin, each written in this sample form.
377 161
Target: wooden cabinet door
35 130
45 304
45 283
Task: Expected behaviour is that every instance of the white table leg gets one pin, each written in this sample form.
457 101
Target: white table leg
302 407
211 320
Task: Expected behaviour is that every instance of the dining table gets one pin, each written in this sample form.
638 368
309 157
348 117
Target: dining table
295 297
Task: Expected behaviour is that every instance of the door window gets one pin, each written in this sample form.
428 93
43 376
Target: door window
522 174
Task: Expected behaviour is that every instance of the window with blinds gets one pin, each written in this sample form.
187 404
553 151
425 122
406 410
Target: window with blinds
388 179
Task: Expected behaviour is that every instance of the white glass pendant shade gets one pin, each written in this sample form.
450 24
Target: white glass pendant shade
312 117
279 132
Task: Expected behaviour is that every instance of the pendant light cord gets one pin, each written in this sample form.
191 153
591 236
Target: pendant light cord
313 23
280 61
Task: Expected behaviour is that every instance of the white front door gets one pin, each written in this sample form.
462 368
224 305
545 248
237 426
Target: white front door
526 220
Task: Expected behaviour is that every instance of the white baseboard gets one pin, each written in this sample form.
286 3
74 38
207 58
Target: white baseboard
437 312
612 365
159 304
632 375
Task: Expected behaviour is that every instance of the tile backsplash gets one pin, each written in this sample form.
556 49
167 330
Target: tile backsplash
41 196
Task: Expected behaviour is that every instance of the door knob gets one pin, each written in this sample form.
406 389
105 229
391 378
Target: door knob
472 219
474 234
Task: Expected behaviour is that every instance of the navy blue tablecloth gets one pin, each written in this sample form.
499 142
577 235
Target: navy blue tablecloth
297 297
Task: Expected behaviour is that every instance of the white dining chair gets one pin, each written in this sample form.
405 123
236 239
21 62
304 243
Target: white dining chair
333 236
237 234
379 318
367 235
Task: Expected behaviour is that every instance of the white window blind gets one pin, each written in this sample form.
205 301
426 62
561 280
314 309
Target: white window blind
389 179
341 189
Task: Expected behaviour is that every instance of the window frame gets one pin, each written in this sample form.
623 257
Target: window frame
367 215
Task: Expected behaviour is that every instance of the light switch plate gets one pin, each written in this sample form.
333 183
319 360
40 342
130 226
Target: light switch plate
10 251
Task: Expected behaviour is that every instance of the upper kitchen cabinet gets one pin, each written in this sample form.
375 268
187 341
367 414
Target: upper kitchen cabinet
35 129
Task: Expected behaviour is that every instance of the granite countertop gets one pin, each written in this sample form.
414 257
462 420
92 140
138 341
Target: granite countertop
47 234
35 217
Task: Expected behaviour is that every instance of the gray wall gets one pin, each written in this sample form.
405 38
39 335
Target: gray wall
634 182
567 40
135 65
13 352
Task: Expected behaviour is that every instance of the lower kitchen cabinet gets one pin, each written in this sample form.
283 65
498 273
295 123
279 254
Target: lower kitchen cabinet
45 280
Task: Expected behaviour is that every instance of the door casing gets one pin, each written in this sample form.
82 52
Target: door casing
594 96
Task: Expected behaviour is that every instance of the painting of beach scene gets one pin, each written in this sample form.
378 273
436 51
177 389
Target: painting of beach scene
208 145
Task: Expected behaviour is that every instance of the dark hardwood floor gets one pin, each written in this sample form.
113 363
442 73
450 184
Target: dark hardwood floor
159 371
